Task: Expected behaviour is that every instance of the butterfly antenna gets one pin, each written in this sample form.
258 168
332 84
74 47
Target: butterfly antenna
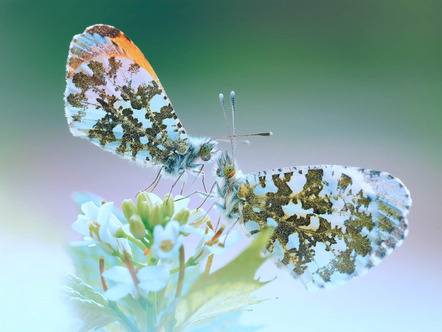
232 101
221 100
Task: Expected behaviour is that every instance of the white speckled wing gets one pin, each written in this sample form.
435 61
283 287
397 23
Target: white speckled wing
332 223
114 99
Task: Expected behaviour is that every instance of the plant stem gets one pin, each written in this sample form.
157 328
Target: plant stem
145 242
104 284
151 316
182 267
159 298
123 318
134 263
190 262
136 242
208 264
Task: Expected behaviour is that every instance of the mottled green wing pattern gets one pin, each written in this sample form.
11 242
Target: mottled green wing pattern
332 223
114 99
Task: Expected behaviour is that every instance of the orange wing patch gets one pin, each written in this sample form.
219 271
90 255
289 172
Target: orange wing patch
125 43
129 50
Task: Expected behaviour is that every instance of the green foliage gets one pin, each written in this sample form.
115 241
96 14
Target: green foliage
87 304
226 290
143 291
86 260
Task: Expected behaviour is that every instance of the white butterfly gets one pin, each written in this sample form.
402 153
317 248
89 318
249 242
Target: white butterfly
115 100
331 223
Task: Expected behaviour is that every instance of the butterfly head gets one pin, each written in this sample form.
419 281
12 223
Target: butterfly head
229 171
226 167
205 152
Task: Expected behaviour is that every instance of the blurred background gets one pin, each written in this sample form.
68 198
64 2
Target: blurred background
338 82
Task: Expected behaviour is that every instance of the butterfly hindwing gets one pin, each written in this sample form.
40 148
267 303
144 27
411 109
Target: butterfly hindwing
114 99
331 223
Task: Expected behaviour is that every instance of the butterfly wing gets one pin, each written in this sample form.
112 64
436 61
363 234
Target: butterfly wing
332 223
114 99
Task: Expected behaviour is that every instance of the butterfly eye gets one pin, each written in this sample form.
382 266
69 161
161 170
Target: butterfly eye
229 171
205 151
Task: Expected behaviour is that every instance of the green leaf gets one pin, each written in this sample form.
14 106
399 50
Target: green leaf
226 290
88 305
86 262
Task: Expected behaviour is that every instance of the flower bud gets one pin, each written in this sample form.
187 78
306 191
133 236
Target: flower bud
166 219
144 209
129 209
137 227
121 234
143 198
168 206
182 216
155 216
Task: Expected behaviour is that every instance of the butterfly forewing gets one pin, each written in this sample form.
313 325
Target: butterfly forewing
114 99
331 223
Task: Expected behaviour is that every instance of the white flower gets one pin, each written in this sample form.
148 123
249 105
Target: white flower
99 226
211 243
166 240
180 202
150 279
198 218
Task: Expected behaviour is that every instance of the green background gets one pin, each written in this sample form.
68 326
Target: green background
338 82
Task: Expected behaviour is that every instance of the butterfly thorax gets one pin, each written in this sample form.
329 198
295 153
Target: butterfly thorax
229 180
177 163
229 204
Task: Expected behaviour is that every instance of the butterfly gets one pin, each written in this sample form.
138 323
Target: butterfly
331 223
114 99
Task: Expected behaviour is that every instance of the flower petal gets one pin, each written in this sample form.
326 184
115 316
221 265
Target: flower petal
118 292
123 246
152 286
198 218
155 199
187 229
81 226
104 213
181 204
150 273
119 274
90 210
172 229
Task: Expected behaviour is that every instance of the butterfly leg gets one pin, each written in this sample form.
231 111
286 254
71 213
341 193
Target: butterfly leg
204 183
205 199
200 171
217 224
202 179
229 230
156 184
182 188
156 178
174 184
191 194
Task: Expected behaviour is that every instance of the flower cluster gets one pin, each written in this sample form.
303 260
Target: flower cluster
142 263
